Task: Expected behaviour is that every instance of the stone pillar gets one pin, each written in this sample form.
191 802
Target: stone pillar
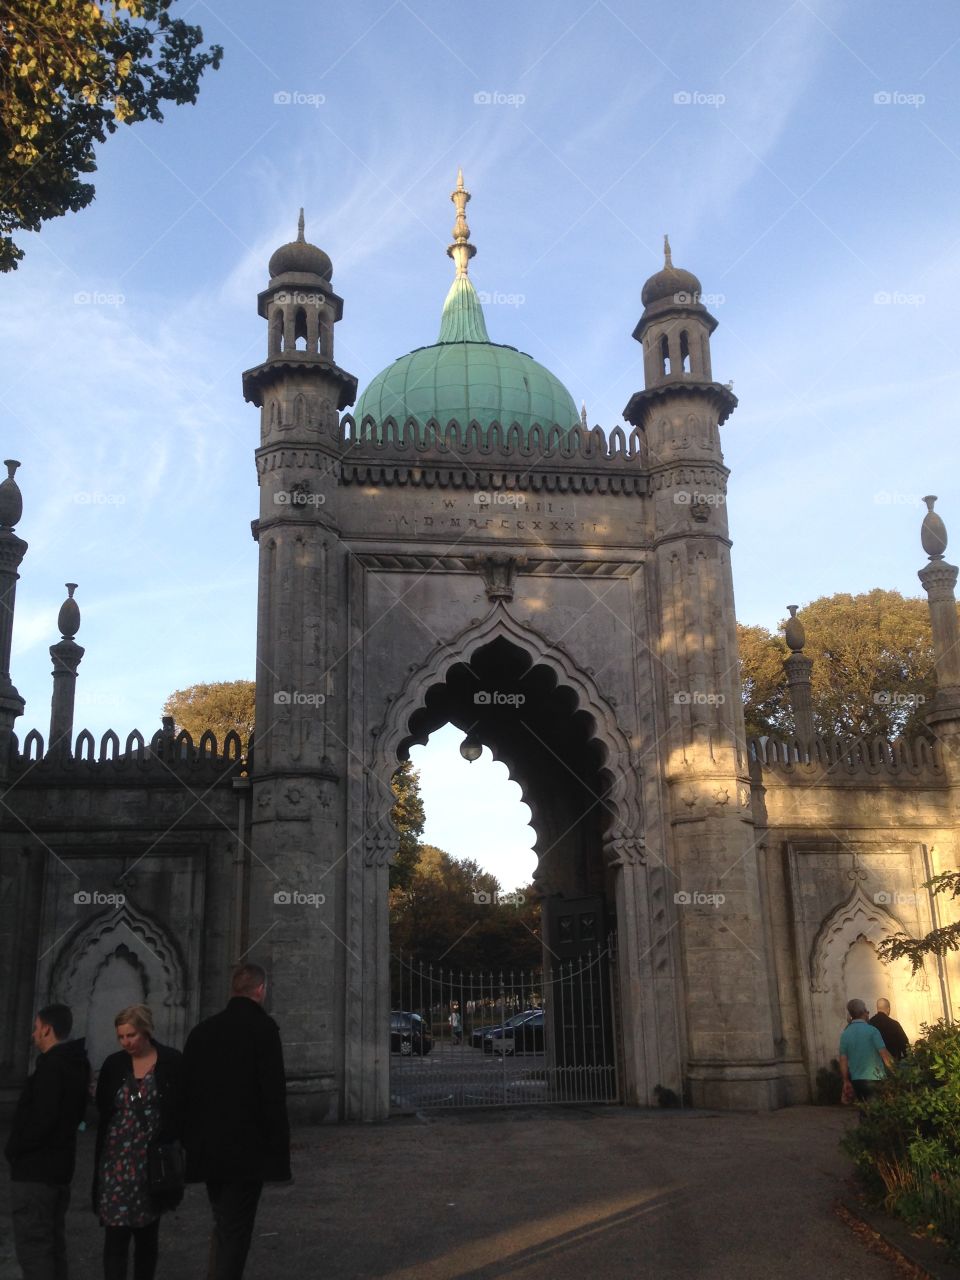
12 551
798 668
939 580
66 655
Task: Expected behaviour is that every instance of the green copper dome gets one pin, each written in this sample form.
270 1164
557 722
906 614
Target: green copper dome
464 375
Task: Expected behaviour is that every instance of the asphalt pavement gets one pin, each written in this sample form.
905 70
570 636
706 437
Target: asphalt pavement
546 1193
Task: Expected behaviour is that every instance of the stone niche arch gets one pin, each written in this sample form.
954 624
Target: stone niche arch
843 954
634 890
120 957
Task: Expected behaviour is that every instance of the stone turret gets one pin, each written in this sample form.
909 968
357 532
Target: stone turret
714 845
298 807
299 388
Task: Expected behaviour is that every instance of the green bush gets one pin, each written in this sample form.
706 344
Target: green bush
907 1145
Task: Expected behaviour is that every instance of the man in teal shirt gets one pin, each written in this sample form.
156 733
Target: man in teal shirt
864 1058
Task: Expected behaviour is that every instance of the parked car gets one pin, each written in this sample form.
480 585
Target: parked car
479 1034
523 1034
409 1034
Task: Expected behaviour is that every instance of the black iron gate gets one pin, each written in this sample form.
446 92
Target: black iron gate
480 1039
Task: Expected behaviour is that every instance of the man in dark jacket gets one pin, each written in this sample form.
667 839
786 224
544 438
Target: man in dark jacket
235 1116
42 1146
894 1036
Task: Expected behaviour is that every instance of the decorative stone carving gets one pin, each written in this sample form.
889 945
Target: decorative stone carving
499 572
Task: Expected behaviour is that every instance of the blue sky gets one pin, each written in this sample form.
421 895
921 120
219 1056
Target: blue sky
804 158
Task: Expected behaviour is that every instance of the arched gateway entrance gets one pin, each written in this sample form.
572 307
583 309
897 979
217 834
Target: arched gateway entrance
465 540
506 688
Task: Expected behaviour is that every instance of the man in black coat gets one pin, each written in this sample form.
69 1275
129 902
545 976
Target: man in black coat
894 1036
42 1146
236 1132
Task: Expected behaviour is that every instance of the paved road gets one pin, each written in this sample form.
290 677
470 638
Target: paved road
542 1194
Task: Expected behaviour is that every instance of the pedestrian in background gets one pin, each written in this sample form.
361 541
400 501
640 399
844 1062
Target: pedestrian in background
138 1104
864 1058
235 1116
894 1036
42 1146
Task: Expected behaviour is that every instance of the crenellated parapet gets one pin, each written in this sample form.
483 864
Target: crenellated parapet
829 757
166 755
471 456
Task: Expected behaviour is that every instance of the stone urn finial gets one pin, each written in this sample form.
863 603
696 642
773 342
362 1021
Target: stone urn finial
793 630
68 619
11 499
933 532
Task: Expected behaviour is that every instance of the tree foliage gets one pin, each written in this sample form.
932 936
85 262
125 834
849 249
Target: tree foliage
70 73
935 943
222 706
766 707
451 914
873 667
409 819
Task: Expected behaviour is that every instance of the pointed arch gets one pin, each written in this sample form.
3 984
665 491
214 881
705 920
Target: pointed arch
623 839
80 974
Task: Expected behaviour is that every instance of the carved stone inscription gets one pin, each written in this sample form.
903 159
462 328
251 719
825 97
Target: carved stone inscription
507 514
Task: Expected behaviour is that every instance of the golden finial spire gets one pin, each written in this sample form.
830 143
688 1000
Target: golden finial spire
667 259
461 251
300 236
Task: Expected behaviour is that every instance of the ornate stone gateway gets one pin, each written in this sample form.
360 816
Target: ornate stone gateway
465 549
485 558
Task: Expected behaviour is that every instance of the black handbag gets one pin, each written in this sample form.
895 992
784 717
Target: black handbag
165 1169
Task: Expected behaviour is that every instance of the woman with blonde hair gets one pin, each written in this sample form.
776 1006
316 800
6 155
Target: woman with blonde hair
138 1102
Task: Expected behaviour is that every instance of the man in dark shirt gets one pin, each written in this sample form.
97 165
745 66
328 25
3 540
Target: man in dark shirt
235 1122
42 1146
894 1036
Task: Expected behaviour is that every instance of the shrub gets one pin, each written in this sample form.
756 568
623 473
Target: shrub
907 1145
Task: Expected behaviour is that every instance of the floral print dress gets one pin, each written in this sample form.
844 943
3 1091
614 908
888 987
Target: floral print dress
124 1198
